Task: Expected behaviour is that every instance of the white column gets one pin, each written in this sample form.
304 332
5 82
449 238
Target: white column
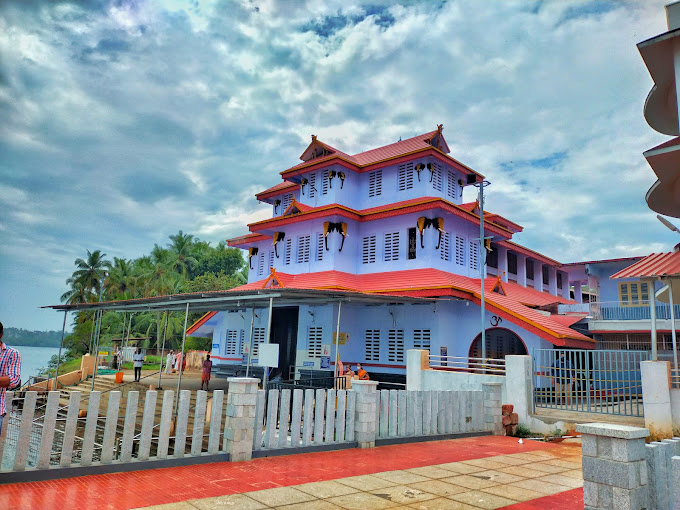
502 262
522 270
552 281
656 398
578 293
538 275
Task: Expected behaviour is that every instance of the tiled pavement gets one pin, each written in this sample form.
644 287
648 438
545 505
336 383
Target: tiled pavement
472 473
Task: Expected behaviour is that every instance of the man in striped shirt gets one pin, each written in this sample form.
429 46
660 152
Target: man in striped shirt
10 372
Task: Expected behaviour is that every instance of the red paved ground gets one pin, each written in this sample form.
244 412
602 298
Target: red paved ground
568 500
168 485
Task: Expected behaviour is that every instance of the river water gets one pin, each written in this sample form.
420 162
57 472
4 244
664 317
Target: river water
34 358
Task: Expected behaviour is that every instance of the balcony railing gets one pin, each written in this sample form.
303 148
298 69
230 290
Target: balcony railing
614 311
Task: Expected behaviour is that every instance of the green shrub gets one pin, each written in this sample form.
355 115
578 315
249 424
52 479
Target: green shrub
523 431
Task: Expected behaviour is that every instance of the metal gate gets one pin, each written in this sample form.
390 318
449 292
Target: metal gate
606 382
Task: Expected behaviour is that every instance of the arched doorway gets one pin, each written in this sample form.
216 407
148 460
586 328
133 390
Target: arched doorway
499 343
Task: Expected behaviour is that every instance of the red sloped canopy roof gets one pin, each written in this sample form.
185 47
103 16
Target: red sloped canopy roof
656 264
246 239
275 190
433 283
527 295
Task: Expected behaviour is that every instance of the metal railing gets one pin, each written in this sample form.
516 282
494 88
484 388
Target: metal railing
607 382
309 382
637 310
675 378
489 366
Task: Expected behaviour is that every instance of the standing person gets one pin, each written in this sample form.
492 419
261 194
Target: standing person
137 359
10 371
205 377
563 377
169 362
175 363
184 361
363 375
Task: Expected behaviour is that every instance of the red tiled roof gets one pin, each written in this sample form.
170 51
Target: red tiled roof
194 327
394 150
656 264
670 143
433 283
526 251
599 261
375 213
247 239
275 190
568 320
526 295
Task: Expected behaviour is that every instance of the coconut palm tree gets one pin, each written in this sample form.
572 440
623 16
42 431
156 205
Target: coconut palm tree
90 273
120 282
182 250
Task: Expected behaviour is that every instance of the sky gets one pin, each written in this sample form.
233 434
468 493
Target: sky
123 122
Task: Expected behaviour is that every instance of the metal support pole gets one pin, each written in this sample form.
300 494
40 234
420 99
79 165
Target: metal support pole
165 334
63 329
652 314
182 361
337 344
119 359
96 348
250 342
127 340
269 339
482 264
673 336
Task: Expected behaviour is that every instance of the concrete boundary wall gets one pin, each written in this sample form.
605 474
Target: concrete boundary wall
35 443
620 471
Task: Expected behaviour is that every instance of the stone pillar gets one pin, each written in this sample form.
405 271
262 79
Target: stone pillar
365 426
493 417
239 427
614 466
417 360
519 386
656 398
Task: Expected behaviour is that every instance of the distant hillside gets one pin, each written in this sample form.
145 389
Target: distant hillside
15 336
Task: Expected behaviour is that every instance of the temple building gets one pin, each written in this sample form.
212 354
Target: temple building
380 247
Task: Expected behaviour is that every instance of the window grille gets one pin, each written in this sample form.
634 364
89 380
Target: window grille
375 183
314 341
474 256
372 345
232 342
451 185
325 183
421 339
312 185
319 247
303 249
391 246
395 345
405 176
460 251
286 201
258 338
287 251
272 259
368 251
634 294
444 247
437 177
260 262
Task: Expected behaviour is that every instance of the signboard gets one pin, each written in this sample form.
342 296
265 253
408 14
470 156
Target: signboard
103 353
268 355
443 352
325 362
216 346
307 363
325 350
343 337
412 243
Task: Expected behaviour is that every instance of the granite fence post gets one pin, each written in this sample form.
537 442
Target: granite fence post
493 419
615 472
365 426
239 427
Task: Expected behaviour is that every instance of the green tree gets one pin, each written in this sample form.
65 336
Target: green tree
120 282
182 253
89 276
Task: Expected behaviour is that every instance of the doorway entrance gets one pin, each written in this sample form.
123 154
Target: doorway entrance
284 333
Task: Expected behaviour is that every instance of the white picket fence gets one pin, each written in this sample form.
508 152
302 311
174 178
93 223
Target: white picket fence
43 437
403 413
315 417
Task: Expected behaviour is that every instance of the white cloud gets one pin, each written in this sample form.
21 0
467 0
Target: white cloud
125 124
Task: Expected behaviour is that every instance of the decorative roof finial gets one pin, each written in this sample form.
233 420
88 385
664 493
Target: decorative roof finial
440 127
313 138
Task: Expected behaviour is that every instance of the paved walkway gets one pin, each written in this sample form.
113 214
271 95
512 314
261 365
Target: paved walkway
464 474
